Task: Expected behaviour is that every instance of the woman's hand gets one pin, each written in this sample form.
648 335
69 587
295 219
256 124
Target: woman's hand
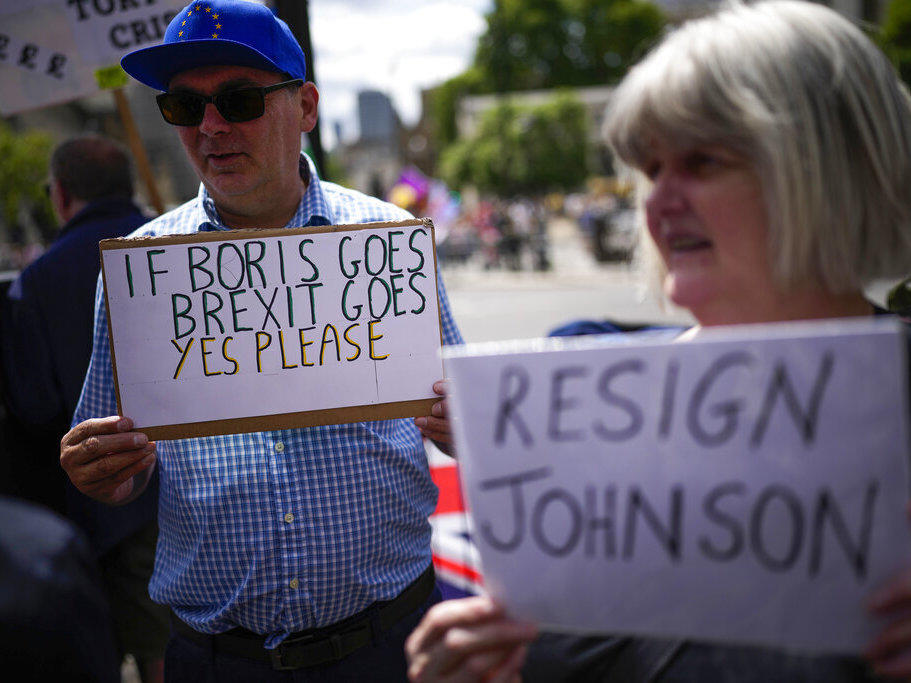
467 640
890 651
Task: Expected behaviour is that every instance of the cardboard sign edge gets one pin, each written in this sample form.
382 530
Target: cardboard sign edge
309 418
258 423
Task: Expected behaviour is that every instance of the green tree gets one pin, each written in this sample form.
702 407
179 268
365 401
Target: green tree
532 44
24 161
895 36
527 45
543 44
445 100
522 150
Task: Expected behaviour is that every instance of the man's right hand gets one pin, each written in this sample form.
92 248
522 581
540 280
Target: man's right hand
106 460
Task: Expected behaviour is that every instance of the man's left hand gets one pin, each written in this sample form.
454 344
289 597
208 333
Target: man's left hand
436 426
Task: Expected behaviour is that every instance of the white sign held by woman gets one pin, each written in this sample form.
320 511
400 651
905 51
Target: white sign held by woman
748 486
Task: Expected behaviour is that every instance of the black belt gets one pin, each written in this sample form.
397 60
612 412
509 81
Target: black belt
320 645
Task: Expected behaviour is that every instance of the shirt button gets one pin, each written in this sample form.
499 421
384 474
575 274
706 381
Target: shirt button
293 583
289 517
279 446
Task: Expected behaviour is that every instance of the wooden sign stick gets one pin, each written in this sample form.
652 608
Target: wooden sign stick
138 150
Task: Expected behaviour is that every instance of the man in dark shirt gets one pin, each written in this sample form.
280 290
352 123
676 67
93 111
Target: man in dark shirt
46 342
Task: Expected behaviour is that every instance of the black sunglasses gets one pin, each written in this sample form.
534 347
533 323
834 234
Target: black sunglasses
236 105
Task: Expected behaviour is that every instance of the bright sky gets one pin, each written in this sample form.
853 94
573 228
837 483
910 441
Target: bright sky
388 45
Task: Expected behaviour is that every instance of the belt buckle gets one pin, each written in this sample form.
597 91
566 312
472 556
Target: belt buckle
276 656
277 653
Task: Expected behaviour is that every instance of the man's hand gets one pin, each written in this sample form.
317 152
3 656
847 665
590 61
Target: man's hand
436 425
107 461
467 640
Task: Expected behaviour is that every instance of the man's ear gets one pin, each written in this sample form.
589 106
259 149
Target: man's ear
60 199
309 101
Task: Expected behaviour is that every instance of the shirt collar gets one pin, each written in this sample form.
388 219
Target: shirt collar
98 208
312 210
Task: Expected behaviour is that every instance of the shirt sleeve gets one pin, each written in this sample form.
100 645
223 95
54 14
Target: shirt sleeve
30 388
451 334
97 398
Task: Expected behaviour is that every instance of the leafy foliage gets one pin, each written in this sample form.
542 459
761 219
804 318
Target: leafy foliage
24 161
895 36
523 150
543 44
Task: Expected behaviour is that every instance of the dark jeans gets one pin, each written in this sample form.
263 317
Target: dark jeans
384 660
140 625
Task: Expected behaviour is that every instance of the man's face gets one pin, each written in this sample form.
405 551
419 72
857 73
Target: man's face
250 169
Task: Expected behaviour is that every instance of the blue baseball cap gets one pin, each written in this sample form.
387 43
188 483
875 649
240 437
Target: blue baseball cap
218 32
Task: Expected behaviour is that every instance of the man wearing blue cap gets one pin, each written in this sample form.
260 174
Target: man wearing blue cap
299 549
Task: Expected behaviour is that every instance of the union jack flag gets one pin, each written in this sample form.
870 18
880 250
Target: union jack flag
455 558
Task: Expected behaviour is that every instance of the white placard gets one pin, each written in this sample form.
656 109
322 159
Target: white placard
262 323
105 30
747 487
50 49
40 63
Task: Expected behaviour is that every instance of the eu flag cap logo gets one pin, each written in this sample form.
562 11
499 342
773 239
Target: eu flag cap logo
219 32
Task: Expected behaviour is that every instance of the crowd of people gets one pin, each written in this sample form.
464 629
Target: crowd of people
772 150
513 235
500 235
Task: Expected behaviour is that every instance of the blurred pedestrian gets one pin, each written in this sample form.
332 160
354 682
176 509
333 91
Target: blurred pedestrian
45 344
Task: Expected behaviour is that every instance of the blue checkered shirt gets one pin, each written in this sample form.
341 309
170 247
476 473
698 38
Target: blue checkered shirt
287 530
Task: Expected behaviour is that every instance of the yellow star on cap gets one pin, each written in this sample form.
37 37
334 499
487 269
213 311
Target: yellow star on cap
217 25
183 23
208 9
215 16
215 35
179 33
190 13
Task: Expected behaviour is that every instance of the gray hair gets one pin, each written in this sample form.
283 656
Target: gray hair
817 108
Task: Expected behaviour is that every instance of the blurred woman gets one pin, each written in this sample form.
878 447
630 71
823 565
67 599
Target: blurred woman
772 145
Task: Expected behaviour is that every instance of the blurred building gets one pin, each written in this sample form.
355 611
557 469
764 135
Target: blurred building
378 121
869 11
595 99
472 107
372 163
417 142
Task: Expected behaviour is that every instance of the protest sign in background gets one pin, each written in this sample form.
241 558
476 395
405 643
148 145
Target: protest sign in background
40 62
270 329
746 487
50 50
105 30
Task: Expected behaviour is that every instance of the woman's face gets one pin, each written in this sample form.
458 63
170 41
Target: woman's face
706 215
